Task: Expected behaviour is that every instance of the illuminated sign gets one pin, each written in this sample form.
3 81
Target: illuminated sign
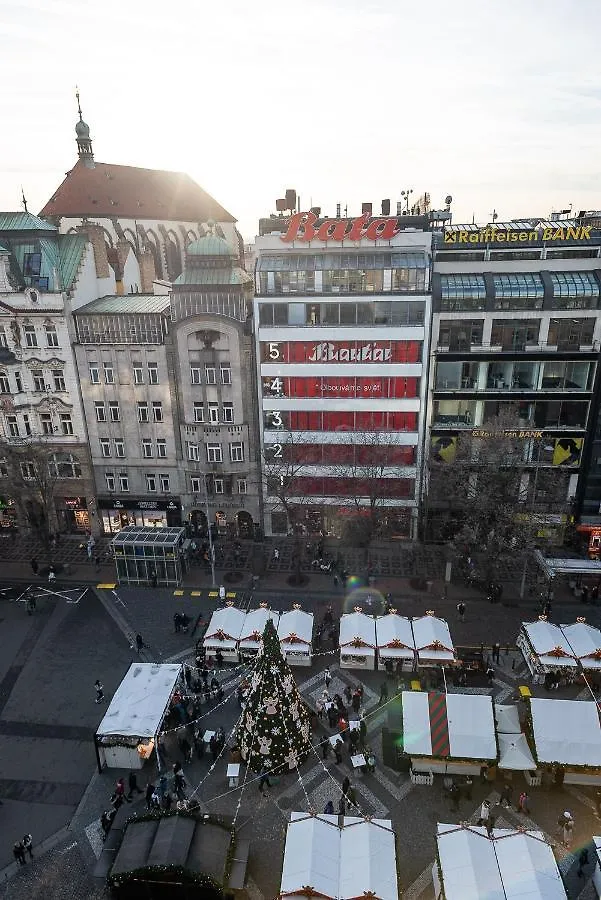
301 227
493 235
521 435
340 351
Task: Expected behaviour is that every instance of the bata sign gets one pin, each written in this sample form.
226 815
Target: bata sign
301 227
327 352
491 235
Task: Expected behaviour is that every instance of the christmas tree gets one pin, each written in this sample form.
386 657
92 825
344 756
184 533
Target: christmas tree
274 729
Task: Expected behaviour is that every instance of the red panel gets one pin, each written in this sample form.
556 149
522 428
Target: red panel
330 486
340 352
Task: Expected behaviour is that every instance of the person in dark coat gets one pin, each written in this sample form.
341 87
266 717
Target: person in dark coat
149 793
132 783
346 785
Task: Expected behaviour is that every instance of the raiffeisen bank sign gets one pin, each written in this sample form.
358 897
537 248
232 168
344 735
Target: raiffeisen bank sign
508 235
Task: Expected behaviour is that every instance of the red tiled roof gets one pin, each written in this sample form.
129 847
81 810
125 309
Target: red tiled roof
131 193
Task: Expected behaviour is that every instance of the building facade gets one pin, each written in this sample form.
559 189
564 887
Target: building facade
45 470
516 331
342 309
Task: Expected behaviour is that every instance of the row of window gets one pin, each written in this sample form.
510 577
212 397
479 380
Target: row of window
108 371
343 281
20 426
515 333
210 374
152 480
30 335
343 454
40 381
116 446
60 465
333 351
540 414
311 420
570 290
324 261
379 312
114 411
214 452
216 413
217 485
353 386
331 486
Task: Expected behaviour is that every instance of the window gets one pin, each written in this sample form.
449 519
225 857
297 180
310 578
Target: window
100 411
157 411
164 483
59 380
110 481
195 375
462 291
18 381
3 340
4 383
138 375
199 412
522 285
153 373
39 382
124 482
146 448
195 484
13 426
242 486
109 373
162 448
574 285
218 487
27 470
214 453
114 412
31 339
151 482
514 334
51 335
3 469
143 412
64 465
460 334
46 422
119 447
226 373
193 452
228 412
94 373
213 413
237 452
66 423
210 375
105 447
26 423
32 264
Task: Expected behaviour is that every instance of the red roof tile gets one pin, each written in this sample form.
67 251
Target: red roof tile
131 193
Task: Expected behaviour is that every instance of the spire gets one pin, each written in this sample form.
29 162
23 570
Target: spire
23 200
84 141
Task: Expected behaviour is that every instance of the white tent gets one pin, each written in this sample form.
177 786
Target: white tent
135 713
439 728
251 634
513 865
295 631
567 732
544 647
223 632
432 640
339 863
507 719
357 641
394 640
514 753
585 642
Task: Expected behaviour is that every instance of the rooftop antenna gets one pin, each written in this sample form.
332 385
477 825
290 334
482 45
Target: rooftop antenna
23 200
495 215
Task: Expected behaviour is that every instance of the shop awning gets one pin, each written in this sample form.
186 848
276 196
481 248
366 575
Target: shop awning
432 639
566 731
140 701
514 753
585 641
507 719
296 626
357 631
550 645
448 725
253 626
394 636
226 625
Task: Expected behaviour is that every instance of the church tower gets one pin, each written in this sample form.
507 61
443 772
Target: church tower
84 141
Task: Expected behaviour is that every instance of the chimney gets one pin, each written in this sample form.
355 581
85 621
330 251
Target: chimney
147 271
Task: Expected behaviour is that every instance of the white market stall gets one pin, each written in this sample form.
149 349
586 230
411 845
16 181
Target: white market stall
128 731
568 733
357 641
448 733
394 642
585 641
514 751
471 865
295 631
545 648
433 643
339 860
251 634
223 632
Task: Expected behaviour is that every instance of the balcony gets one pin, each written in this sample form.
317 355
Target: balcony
587 346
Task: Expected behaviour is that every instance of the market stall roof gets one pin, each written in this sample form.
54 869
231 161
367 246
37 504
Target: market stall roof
394 636
456 725
432 639
140 701
253 626
554 566
549 643
566 731
513 865
339 862
507 719
585 641
357 626
296 623
514 753
226 624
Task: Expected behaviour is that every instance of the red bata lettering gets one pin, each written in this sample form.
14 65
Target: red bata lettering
301 227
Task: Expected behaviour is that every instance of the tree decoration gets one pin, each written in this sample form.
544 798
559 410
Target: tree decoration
296 606
396 643
558 652
275 712
430 612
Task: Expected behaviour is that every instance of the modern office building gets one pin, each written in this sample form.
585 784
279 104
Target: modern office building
341 310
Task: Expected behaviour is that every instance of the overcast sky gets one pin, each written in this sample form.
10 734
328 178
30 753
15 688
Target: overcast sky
496 103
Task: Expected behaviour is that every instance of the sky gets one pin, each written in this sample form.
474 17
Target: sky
496 103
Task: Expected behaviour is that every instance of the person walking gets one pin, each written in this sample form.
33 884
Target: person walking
524 803
149 793
51 573
582 862
120 790
338 752
222 593
325 748
139 643
496 653
19 852
356 701
490 824
99 691
276 555
506 795
28 844
383 693
327 677
461 610
346 785
455 797
106 820
34 565
484 813
264 780
568 833
132 783
490 674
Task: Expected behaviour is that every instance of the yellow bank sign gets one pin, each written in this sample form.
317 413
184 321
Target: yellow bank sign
493 235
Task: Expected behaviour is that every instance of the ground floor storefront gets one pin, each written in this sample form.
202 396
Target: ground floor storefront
349 523
146 512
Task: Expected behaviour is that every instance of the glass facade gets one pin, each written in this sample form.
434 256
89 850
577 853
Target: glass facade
145 554
343 273
378 312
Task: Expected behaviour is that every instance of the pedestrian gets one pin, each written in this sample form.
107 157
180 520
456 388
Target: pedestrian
31 604
346 785
467 786
370 761
383 693
132 783
496 651
461 610
97 562
327 678
568 832
221 593
362 729
106 820
19 852
338 751
28 844
325 748
219 658
264 780
348 694
455 797
582 862
524 803
99 691
490 674
506 795
51 573
34 565
179 785
139 643
341 807
490 824
484 813
120 790
329 809
167 801
356 701
484 774
276 555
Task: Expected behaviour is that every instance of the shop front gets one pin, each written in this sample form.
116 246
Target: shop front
73 515
140 511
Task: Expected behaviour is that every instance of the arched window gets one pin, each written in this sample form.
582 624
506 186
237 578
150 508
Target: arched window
64 465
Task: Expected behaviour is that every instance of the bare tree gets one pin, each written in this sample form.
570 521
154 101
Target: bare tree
32 472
